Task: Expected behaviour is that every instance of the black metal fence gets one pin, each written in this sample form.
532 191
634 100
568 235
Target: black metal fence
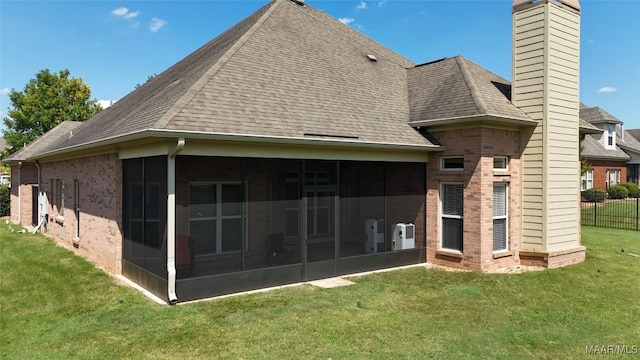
611 213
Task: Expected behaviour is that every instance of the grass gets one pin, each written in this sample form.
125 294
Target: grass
621 214
55 305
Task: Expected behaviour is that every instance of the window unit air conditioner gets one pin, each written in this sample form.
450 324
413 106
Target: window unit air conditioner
373 235
404 236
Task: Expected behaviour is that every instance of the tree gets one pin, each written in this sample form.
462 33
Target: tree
148 78
45 102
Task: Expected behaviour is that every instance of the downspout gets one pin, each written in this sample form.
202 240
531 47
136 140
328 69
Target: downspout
20 193
171 221
40 205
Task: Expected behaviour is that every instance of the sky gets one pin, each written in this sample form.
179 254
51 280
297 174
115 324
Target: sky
114 45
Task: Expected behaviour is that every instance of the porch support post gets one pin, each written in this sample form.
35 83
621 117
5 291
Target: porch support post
171 221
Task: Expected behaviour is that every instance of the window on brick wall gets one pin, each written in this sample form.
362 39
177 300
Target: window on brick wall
613 177
452 198
500 196
76 205
586 180
500 163
59 193
452 163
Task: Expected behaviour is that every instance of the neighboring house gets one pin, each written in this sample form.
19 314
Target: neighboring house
612 152
292 147
5 178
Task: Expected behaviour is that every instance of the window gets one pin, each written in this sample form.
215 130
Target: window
586 180
217 216
500 196
500 163
318 204
452 163
76 205
610 137
452 216
613 177
60 196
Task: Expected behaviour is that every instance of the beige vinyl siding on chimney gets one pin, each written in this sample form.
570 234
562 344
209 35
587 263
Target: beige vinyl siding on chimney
528 93
562 117
546 73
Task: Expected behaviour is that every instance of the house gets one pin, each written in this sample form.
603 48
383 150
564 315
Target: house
612 152
292 147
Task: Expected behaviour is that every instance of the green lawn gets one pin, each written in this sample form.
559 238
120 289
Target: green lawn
620 214
56 305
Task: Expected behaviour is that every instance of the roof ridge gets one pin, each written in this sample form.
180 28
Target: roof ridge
471 84
360 36
204 79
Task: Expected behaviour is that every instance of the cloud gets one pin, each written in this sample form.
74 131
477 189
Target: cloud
156 24
346 21
382 3
121 11
5 91
361 6
131 15
606 89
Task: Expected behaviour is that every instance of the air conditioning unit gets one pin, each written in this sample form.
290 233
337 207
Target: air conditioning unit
404 236
373 235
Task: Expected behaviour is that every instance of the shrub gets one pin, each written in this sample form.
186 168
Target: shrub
594 194
5 200
617 192
634 190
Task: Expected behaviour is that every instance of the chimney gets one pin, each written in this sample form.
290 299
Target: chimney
546 59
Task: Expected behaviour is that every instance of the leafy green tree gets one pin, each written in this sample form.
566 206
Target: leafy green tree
45 102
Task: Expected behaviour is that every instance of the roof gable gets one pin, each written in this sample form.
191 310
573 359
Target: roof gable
596 115
458 88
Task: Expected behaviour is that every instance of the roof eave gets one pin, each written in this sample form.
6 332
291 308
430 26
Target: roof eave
485 118
167 134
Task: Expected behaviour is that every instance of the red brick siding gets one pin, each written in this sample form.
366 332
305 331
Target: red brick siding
23 179
478 146
100 180
600 168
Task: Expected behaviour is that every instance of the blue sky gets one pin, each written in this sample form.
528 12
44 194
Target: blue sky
114 45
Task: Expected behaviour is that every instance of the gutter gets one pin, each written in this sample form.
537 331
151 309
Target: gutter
158 133
171 221
475 118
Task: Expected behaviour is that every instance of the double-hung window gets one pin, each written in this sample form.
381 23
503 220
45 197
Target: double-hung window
452 216
500 234
586 180
217 216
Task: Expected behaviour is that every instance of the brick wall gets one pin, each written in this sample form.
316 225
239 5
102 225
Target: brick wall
600 168
478 146
100 182
23 183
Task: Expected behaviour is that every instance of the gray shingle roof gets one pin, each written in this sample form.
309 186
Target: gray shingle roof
586 127
629 143
51 138
458 88
285 71
591 148
597 115
293 72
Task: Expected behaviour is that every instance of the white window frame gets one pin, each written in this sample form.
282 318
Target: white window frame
610 136
506 163
449 216
586 180
314 205
443 160
617 173
504 216
219 217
